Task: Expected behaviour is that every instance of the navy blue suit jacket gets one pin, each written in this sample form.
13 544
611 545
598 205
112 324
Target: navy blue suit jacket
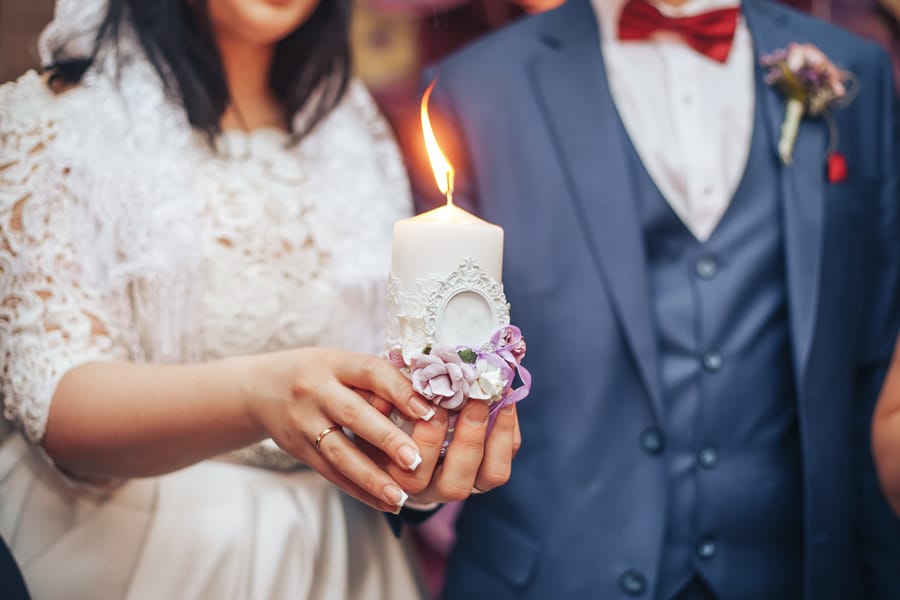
544 157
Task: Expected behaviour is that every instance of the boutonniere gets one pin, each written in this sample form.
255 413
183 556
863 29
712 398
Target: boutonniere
813 86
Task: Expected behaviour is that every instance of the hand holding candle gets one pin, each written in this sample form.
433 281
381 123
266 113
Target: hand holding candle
448 319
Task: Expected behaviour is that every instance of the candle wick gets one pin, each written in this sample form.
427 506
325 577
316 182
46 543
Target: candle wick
449 193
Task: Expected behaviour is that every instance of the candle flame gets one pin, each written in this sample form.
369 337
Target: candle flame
443 170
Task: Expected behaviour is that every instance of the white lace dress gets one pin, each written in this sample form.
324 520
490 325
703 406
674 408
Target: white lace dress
112 250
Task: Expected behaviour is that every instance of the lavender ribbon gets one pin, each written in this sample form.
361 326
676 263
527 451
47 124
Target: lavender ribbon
510 349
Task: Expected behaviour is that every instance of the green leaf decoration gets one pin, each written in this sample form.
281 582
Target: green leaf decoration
468 355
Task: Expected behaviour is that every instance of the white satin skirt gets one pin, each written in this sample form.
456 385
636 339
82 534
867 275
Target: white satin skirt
212 531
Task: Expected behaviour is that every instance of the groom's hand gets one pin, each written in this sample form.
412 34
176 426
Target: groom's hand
474 462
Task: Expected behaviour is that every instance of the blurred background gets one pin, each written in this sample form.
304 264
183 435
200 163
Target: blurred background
394 39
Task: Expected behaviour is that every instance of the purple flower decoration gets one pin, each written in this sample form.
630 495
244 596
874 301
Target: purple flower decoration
442 377
509 344
811 83
804 73
395 357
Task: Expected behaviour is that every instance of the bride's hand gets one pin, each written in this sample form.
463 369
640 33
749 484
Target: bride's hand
297 395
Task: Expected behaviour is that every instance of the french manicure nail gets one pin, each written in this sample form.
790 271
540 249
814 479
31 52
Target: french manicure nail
422 410
395 495
410 457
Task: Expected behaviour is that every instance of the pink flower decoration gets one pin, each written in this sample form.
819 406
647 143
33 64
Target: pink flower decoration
442 377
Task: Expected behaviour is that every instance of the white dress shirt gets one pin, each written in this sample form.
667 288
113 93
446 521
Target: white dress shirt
689 117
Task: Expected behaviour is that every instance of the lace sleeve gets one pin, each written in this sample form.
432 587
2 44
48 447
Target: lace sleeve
51 319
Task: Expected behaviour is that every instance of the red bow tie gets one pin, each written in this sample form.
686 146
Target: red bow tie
709 33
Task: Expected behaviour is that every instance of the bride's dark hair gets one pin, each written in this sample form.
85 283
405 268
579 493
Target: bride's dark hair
311 65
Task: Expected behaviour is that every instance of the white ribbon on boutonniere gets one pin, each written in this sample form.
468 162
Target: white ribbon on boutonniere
813 86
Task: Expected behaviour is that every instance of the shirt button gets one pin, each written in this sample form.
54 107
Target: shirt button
687 99
708 458
706 267
708 190
706 549
712 361
652 441
632 582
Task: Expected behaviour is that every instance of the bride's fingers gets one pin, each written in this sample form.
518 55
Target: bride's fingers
379 404
429 437
317 462
343 457
347 409
321 466
378 375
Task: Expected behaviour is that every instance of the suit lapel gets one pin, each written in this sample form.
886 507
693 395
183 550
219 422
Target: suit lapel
571 87
802 187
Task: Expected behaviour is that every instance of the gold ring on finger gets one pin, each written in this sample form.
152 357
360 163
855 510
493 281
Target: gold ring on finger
323 433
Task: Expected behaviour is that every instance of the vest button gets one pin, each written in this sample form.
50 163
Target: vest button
706 267
632 582
706 549
652 441
712 361
708 458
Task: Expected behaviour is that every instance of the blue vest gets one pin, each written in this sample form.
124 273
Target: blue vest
730 436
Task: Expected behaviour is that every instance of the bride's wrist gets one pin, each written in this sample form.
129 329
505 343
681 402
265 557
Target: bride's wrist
249 384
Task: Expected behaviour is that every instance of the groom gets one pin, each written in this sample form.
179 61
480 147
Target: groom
707 327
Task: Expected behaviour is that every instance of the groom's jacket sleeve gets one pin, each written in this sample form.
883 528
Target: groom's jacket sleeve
878 529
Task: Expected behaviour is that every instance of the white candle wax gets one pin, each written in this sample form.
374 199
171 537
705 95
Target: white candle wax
436 243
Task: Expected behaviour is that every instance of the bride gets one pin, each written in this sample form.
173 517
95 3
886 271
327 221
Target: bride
195 213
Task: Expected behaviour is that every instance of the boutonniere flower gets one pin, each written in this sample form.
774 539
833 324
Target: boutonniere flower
812 84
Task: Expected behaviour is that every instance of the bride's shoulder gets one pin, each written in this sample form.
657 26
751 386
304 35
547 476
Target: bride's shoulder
31 110
26 105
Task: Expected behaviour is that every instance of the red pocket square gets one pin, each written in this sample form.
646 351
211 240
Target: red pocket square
837 168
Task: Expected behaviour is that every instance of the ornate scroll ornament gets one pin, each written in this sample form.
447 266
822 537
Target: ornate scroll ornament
416 317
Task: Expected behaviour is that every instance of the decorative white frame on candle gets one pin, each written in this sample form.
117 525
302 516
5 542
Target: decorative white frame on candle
417 316
468 278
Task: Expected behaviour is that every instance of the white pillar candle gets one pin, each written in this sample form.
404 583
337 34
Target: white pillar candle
453 251
434 245
436 242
